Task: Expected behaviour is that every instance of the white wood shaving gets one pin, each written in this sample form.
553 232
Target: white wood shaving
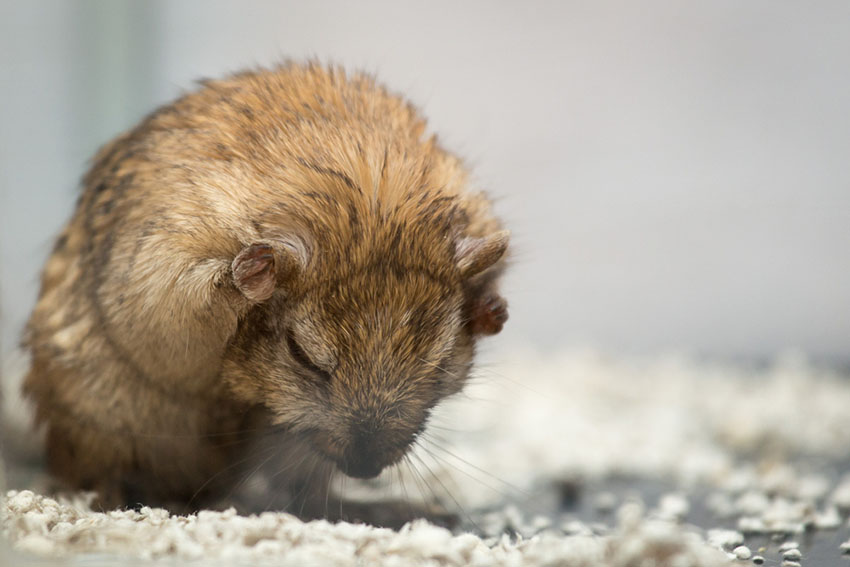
43 526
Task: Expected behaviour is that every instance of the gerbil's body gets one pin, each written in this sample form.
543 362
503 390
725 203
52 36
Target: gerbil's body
281 249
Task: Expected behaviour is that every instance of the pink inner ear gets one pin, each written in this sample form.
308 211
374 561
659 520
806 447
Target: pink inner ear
254 272
488 315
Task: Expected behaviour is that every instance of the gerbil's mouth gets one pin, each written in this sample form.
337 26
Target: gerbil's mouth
361 469
365 463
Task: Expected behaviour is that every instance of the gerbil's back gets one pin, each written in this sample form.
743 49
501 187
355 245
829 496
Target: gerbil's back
299 144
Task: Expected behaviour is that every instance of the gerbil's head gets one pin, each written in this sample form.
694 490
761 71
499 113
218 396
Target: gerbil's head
354 357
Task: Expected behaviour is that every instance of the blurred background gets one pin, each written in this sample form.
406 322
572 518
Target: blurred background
676 174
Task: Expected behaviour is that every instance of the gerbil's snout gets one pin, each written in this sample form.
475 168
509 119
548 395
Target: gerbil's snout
372 445
369 450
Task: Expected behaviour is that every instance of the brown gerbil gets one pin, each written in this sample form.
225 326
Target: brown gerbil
281 251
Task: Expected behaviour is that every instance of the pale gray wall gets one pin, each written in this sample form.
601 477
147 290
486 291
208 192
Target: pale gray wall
676 173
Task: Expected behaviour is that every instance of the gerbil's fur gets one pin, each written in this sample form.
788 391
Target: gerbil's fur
281 251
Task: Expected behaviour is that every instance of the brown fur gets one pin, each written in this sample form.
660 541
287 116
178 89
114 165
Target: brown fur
281 249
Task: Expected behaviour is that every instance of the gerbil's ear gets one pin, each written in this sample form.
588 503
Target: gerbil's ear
487 314
476 254
259 268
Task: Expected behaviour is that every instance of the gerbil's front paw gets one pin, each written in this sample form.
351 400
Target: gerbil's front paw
489 314
254 272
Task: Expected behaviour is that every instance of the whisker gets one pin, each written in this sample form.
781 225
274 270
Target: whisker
479 469
434 496
307 486
292 465
296 495
268 429
449 493
222 471
327 486
341 495
438 459
273 452
403 488
485 368
438 367
432 425
415 476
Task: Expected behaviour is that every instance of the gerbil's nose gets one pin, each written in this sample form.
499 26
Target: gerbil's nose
371 448
362 463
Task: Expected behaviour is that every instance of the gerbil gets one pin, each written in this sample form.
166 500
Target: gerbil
283 250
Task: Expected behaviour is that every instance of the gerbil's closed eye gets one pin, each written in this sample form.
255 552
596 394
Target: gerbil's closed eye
303 358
